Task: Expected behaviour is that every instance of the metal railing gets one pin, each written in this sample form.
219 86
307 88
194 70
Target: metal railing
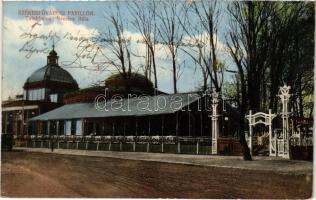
116 139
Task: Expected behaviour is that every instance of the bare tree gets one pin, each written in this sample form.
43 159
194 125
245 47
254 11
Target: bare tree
118 46
202 32
242 43
170 32
144 20
238 57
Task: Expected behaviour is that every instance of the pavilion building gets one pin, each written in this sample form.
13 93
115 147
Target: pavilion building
44 90
130 106
124 105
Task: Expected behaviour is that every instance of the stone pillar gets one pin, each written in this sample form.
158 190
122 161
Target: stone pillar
214 122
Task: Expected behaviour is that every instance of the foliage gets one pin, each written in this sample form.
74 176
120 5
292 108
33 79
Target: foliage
230 90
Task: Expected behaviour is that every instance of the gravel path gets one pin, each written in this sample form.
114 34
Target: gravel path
264 163
32 174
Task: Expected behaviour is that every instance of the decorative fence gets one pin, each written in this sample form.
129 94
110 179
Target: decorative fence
153 144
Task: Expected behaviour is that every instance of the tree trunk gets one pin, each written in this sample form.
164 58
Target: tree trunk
155 72
242 139
174 75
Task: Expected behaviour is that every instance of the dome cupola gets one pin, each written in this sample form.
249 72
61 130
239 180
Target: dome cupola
49 80
52 57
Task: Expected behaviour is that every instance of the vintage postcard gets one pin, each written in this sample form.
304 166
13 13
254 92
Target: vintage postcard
157 99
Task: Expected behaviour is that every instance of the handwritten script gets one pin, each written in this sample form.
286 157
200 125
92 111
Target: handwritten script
86 46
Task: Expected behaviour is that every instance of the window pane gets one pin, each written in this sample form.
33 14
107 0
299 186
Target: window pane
53 98
79 127
68 127
31 94
37 94
43 93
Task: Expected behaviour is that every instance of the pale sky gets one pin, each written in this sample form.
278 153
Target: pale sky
17 66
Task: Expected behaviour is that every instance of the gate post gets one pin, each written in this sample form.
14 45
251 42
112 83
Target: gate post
214 122
285 96
270 135
250 131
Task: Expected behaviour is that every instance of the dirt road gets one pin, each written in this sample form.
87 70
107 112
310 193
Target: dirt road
26 174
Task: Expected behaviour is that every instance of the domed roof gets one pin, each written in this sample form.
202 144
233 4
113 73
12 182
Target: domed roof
134 83
51 72
132 76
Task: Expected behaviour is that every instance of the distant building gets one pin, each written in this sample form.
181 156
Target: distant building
43 91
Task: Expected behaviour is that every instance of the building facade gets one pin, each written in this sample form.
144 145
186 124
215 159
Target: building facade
125 108
136 110
44 90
